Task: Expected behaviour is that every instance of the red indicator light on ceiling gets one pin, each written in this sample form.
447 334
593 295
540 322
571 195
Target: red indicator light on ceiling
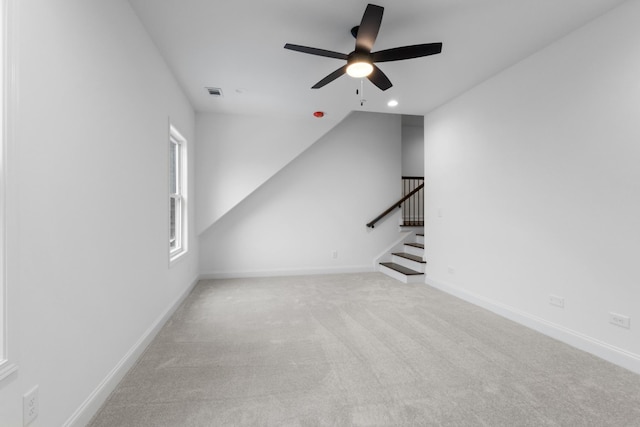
318 114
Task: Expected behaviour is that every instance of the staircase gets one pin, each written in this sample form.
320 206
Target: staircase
407 266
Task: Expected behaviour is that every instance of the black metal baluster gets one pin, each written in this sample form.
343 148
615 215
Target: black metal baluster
405 191
413 205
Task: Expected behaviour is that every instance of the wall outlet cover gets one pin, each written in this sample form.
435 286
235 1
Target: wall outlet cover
30 406
556 301
620 320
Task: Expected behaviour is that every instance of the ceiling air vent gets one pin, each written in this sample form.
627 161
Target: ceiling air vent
214 91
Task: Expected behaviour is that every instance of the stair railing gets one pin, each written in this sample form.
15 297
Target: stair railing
413 208
399 204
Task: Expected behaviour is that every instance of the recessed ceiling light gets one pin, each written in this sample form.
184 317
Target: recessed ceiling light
392 103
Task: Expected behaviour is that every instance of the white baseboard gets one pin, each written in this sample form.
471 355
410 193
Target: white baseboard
601 349
96 399
286 272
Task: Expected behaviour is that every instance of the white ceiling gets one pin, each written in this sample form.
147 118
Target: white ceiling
238 46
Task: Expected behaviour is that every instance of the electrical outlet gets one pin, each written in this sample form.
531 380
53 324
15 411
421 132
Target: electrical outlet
30 406
451 270
334 254
556 300
620 320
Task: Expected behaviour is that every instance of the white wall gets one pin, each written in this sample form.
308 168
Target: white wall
535 173
317 204
412 150
237 154
88 192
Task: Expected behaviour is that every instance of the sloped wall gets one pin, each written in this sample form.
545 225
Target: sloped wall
237 154
315 206
533 189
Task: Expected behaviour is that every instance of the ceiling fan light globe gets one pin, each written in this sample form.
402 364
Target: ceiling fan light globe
359 69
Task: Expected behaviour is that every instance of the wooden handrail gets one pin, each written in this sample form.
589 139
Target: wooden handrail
395 205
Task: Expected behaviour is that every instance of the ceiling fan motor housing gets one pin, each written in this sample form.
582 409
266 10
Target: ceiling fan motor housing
356 56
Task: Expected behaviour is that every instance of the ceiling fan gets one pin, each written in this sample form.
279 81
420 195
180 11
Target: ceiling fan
361 62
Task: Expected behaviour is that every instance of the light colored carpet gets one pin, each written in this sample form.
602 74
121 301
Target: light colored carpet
359 350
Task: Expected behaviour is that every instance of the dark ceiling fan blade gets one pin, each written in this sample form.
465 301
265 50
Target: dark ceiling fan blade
331 77
315 51
378 78
407 52
369 27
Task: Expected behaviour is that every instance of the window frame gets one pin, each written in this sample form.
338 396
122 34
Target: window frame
177 174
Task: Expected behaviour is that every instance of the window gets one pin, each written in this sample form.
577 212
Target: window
177 194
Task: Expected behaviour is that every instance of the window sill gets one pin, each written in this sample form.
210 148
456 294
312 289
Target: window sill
6 369
176 256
